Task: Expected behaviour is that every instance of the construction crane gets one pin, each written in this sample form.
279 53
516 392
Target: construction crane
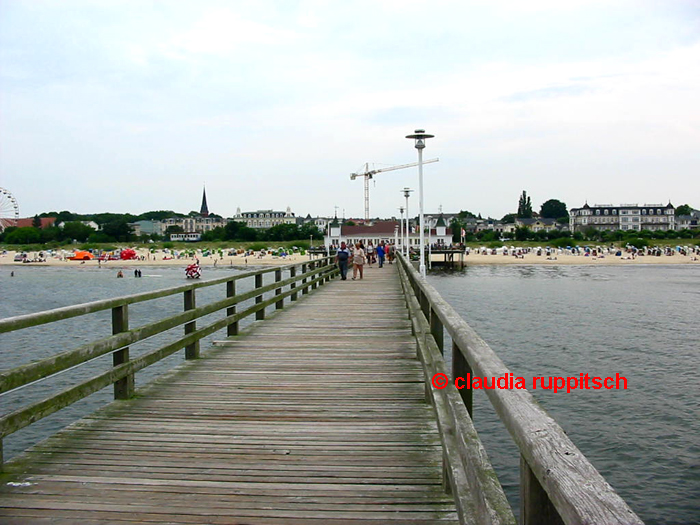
369 174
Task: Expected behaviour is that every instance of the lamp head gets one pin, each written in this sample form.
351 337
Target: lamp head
419 136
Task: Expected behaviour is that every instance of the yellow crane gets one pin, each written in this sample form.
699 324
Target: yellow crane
369 174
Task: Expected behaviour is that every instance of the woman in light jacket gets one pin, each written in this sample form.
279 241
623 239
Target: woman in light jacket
358 261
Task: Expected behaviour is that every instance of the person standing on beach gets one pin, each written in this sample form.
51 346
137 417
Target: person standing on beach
358 261
342 257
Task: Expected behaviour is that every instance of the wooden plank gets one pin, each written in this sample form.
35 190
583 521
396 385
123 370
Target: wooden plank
316 415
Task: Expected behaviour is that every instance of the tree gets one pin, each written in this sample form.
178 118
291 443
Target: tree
522 233
553 209
36 222
76 230
282 232
464 214
239 231
524 207
684 209
509 218
119 230
158 215
26 235
215 234
310 230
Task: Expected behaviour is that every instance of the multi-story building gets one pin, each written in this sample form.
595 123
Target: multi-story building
623 217
688 222
147 227
265 218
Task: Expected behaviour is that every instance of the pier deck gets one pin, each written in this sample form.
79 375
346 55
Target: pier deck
317 415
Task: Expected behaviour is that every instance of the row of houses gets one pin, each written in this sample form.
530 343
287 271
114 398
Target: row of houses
652 217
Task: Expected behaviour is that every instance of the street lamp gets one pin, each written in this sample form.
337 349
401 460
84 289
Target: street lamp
407 193
419 136
399 246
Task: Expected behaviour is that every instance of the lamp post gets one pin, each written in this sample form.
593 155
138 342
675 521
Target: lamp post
400 232
396 238
420 136
407 193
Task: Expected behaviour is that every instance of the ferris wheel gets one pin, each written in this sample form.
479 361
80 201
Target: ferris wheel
9 209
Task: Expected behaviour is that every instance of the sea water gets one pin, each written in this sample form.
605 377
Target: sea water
640 322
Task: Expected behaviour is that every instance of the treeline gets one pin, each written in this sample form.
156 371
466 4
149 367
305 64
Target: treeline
115 227
238 231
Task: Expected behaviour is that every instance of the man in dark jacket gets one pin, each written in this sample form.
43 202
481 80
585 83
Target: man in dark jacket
341 258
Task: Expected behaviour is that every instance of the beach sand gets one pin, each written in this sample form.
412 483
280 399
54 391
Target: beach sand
162 259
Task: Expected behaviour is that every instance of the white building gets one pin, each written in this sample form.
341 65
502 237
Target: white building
385 231
623 217
196 224
265 218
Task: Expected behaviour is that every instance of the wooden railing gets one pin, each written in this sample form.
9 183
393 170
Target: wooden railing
557 483
312 274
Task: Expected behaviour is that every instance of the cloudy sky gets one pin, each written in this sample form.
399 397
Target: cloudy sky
134 105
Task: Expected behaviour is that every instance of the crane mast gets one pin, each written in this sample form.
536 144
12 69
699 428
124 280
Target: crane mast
369 174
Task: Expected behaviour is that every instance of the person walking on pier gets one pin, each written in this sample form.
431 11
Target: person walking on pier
341 258
358 261
380 254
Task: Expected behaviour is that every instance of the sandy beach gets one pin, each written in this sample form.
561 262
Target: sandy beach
161 258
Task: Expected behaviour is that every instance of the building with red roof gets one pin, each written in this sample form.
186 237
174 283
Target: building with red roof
46 222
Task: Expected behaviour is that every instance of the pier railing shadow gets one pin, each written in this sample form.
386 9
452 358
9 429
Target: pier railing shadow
303 277
557 482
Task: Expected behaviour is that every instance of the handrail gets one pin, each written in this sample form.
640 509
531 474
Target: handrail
467 471
558 483
121 374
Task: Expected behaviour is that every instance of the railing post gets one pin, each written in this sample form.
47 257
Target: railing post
293 273
231 329
191 351
304 289
312 266
124 387
437 330
535 505
424 303
278 291
461 368
260 314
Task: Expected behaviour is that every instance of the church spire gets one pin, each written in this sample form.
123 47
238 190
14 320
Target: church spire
204 211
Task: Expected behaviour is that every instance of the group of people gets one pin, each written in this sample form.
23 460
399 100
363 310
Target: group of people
359 255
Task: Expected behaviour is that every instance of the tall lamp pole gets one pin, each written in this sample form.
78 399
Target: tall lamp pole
420 136
407 194
399 246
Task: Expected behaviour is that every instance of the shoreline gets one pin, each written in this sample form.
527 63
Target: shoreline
240 261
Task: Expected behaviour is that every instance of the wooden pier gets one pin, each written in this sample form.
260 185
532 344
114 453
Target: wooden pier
321 414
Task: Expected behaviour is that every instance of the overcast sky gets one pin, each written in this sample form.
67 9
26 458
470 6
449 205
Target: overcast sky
132 106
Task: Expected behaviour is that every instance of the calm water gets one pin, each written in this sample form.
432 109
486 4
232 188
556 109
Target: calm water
641 322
